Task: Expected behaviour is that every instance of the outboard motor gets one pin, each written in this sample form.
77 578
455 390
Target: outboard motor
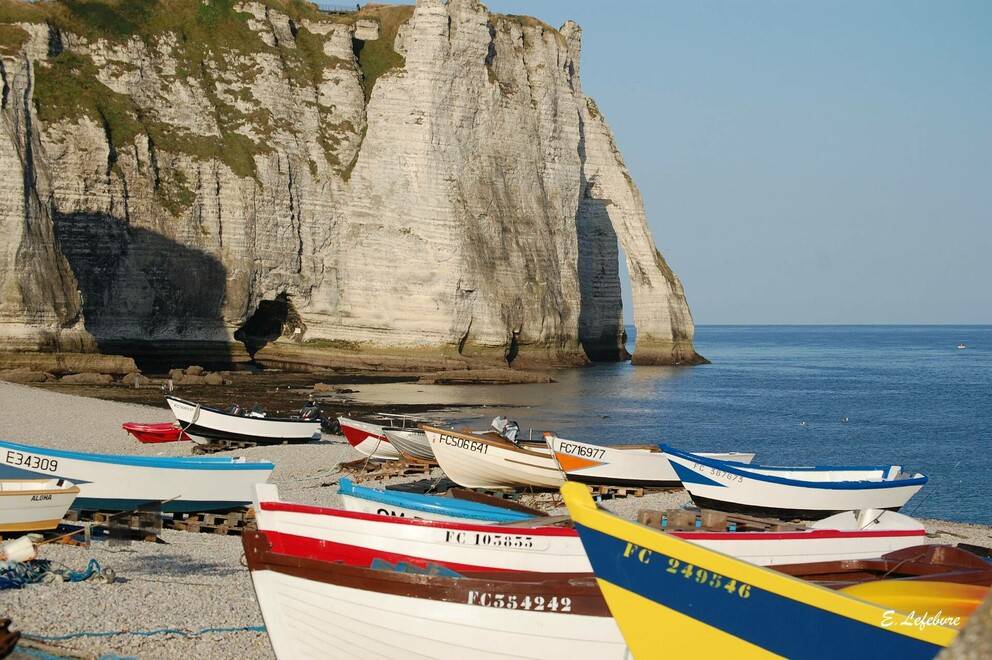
310 410
510 432
257 411
506 429
499 423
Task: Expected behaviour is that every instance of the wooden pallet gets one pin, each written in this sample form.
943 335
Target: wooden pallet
232 523
710 520
130 523
223 445
614 492
365 469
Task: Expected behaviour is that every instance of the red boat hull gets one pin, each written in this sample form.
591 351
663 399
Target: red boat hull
153 433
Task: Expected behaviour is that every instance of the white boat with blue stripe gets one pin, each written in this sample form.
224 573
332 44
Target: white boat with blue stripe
120 483
807 493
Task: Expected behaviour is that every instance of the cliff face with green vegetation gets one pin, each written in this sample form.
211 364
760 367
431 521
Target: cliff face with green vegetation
395 186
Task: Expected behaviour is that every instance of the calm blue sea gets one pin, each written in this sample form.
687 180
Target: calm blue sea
803 395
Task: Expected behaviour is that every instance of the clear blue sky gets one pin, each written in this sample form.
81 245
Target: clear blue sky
804 161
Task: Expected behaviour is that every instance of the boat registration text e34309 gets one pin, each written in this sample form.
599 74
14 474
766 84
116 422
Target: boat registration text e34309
31 461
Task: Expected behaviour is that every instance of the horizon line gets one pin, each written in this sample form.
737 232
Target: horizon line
837 325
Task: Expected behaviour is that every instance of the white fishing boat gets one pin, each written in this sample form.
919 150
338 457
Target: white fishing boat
410 442
204 424
120 483
643 466
476 460
316 606
369 439
531 545
462 546
792 492
34 505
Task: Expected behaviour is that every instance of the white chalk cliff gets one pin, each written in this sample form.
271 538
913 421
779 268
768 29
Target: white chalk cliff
395 187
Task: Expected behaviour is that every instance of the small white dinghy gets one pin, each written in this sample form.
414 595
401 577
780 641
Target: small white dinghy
412 443
487 460
34 505
369 439
806 493
636 466
204 424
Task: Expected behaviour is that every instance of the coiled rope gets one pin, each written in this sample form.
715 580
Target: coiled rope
16 575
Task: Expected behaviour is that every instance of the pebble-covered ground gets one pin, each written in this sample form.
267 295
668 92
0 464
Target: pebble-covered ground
194 581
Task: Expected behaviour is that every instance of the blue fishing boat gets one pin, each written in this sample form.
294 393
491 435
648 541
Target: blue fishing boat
109 482
425 507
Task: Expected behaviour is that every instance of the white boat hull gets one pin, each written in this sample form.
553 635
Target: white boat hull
737 490
310 619
116 483
205 425
618 466
479 464
459 545
34 505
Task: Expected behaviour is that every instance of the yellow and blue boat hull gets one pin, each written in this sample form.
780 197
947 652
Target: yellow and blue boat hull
673 598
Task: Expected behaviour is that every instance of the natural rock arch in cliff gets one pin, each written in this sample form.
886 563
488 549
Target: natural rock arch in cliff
271 320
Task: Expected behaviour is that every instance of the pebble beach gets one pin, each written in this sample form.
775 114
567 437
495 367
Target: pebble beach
193 581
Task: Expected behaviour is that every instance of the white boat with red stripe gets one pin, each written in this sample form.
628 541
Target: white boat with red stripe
369 439
359 538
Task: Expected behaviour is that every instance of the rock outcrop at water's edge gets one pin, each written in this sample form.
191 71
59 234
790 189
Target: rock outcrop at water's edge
400 187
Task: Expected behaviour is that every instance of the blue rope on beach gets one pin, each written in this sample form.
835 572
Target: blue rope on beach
15 575
92 568
144 633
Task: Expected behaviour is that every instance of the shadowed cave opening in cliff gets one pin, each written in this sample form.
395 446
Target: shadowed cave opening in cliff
145 295
272 319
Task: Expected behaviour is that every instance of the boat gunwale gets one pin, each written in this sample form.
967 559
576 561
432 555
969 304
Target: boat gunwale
71 490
